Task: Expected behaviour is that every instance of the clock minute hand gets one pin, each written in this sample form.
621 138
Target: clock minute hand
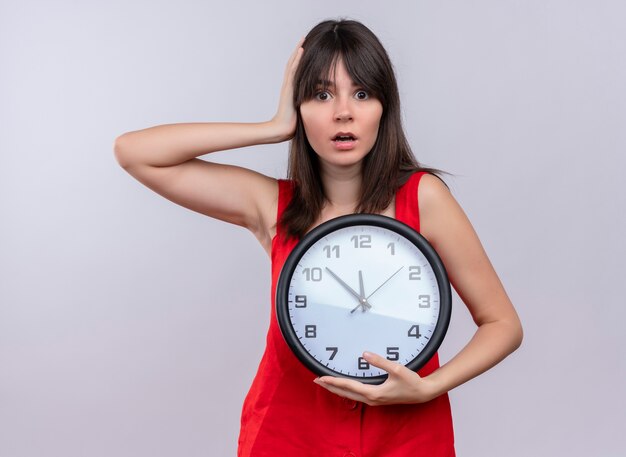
385 282
361 288
349 289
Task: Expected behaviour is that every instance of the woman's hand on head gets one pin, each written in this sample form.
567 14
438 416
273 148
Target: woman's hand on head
401 387
285 118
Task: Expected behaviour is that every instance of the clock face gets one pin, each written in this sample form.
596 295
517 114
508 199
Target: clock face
363 283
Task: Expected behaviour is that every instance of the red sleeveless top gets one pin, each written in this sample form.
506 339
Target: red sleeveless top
286 414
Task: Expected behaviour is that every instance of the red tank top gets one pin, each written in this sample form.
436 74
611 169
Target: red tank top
286 414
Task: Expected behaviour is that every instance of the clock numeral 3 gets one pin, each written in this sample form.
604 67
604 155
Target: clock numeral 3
310 331
312 274
414 331
300 301
424 301
393 353
333 351
362 241
363 364
415 273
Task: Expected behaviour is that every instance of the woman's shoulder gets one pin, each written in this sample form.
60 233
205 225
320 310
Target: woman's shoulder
437 205
431 187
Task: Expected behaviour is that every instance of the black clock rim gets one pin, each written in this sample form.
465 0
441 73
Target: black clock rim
349 220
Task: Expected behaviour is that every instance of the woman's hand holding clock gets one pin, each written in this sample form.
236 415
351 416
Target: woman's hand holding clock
402 385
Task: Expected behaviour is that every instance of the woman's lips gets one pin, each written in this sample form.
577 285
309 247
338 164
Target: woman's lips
344 145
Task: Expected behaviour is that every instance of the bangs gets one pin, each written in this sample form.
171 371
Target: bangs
317 70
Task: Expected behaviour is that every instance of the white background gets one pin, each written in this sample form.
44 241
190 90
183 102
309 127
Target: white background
130 326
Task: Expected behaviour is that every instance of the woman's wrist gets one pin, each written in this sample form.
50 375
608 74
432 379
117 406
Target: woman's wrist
279 131
435 386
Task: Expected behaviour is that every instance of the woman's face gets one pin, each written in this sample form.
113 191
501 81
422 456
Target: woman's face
341 123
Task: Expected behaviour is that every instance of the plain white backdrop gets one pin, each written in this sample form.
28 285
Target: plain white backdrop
130 326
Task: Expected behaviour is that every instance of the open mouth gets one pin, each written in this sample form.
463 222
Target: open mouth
344 138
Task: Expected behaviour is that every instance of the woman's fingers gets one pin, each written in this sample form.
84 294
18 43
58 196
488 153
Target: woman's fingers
285 118
393 368
294 59
402 385
347 388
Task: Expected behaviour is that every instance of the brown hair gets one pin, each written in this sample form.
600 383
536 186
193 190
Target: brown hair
389 163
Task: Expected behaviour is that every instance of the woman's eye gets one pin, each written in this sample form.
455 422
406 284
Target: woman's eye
322 96
362 95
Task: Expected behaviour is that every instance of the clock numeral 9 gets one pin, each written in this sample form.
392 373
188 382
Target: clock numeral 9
414 331
415 273
313 274
393 353
424 301
334 248
334 352
310 331
362 241
300 301
363 364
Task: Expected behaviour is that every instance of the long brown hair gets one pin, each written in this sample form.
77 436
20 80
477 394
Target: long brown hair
389 163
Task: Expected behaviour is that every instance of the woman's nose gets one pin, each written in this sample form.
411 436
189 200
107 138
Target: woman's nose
343 111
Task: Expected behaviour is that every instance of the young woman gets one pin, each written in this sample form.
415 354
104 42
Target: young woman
340 108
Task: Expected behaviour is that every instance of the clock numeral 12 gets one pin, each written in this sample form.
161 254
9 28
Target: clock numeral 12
333 350
362 241
334 248
392 247
313 274
300 301
414 331
363 364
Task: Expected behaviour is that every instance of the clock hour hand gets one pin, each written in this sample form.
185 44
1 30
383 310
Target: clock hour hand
362 300
384 282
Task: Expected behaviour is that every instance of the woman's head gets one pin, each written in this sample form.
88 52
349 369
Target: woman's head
353 49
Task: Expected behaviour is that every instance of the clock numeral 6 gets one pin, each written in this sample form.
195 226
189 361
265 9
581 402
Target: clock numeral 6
312 274
424 301
334 248
310 331
414 331
363 364
393 353
333 351
362 241
415 273
300 301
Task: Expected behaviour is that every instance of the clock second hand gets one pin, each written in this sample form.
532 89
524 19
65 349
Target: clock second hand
384 282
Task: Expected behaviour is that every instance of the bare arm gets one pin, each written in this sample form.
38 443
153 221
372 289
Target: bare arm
164 158
499 331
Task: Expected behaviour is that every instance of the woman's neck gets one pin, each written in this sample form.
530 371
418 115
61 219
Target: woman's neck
342 188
